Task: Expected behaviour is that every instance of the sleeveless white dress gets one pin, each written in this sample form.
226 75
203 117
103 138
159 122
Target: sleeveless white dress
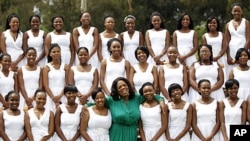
83 81
206 120
104 41
174 75
64 42
38 43
70 122
98 126
87 40
6 84
151 122
177 122
39 127
242 77
141 77
232 114
237 40
157 39
130 45
31 81
56 79
13 125
209 72
114 70
14 47
185 44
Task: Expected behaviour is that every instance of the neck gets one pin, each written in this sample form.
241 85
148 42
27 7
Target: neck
56 62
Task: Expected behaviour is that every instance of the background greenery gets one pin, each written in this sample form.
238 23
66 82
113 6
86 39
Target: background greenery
199 10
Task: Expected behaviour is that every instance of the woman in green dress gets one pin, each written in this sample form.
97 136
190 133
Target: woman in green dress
124 106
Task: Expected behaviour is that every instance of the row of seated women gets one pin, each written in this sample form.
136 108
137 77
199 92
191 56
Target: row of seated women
117 117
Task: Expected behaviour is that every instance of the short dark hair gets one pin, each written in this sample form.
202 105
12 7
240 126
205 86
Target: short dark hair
144 85
230 82
173 86
142 48
70 88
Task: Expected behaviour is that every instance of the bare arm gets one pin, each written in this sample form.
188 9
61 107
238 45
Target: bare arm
28 127
84 124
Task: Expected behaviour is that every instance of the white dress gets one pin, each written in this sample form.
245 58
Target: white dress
87 40
64 42
141 77
237 40
185 45
83 80
70 122
114 70
177 122
6 84
38 43
209 72
158 42
98 126
14 47
232 114
130 45
242 77
151 122
174 75
56 80
39 127
104 41
206 120
13 125
31 82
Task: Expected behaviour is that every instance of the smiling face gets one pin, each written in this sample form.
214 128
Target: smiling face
130 24
55 53
14 24
233 91
6 62
172 54
58 23
156 22
243 58
205 89
71 97
13 101
237 12
176 93
40 99
205 53
122 88
141 55
148 92
100 99
115 48
185 21
109 23
85 19
212 25
35 23
31 57
83 56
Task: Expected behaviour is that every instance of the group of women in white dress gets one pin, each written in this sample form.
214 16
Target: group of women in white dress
35 60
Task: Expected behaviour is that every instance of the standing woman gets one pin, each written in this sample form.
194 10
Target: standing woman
29 78
237 34
233 109
39 121
131 39
87 36
205 121
153 122
180 115
84 76
67 117
105 36
139 70
186 40
12 41
8 79
12 120
157 39
206 68
35 38
241 72
55 75
173 72
97 120
63 39
113 66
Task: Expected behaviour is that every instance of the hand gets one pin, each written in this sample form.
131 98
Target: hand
83 98
56 99
29 102
230 61
5 105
